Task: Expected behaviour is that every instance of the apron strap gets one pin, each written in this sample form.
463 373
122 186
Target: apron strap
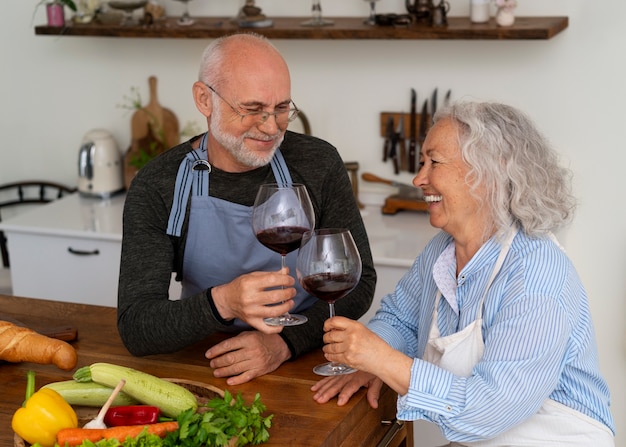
506 245
280 169
194 171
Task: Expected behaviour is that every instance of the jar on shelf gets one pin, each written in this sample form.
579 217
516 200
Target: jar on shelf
479 11
505 15
55 14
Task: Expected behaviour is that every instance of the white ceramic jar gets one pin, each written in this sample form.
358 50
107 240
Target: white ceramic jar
479 11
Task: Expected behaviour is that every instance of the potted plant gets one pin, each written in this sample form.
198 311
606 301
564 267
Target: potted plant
55 12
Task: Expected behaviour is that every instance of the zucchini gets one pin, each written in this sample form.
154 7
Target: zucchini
171 398
89 394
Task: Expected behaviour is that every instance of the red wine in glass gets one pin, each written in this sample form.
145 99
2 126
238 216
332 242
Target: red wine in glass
329 267
280 216
282 239
329 287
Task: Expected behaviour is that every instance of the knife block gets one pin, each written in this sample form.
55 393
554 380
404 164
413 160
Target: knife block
384 117
395 203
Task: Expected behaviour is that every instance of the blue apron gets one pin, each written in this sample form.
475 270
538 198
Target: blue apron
221 244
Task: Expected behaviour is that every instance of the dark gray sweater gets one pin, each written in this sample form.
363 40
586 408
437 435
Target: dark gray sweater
149 322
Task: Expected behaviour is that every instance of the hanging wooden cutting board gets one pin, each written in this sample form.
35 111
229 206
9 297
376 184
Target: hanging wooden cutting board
153 127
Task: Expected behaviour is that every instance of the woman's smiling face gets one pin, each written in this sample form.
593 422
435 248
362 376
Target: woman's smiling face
443 178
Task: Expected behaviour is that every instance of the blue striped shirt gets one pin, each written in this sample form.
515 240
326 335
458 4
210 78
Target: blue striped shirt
538 334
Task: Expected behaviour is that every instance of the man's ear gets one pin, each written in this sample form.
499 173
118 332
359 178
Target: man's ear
202 98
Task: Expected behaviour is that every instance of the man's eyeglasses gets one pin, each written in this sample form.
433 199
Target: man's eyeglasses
283 116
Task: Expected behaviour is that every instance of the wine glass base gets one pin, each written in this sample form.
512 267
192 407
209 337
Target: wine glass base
185 21
371 22
286 320
333 369
318 22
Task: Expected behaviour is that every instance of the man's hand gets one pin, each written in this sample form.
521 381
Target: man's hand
247 355
255 296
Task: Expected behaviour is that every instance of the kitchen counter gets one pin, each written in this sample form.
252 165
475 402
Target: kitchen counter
83 235
72 216
395 239
298 420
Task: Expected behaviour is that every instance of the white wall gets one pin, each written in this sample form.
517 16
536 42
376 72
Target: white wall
53 90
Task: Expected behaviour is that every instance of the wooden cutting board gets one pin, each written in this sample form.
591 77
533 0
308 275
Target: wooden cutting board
153 127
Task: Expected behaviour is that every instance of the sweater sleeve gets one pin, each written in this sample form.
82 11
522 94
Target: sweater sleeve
148 321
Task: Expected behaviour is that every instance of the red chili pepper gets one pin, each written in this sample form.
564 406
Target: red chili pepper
132 415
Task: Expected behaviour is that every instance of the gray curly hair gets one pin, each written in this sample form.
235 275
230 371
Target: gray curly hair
517 167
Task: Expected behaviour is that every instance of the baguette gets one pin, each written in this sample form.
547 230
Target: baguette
20 344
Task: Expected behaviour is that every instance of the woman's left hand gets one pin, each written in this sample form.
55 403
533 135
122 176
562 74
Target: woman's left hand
350 342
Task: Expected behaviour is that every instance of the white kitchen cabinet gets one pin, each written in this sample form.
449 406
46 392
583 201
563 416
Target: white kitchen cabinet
68 250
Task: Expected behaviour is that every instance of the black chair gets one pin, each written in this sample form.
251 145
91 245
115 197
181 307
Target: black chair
27 193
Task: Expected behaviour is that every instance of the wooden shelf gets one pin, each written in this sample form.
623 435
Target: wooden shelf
344 28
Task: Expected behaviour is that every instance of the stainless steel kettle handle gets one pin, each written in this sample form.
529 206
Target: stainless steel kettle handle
85 161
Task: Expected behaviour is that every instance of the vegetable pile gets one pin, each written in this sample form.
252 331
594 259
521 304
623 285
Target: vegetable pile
163 415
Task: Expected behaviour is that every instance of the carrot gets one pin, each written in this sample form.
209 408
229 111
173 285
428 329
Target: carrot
69 437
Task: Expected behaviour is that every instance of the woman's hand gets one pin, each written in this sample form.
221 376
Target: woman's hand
345 386
350 342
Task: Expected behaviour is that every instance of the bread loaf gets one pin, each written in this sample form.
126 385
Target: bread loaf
20 344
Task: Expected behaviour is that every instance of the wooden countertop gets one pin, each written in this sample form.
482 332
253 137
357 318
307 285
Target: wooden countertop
298 420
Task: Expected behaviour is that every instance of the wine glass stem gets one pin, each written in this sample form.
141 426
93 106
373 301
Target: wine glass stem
283 264
316 10
332 309
372 12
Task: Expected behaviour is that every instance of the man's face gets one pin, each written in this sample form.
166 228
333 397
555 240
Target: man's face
251 144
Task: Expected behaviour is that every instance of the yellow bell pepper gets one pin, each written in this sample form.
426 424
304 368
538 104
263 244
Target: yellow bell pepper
42 415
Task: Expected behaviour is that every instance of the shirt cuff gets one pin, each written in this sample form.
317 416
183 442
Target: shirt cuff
432 393
214 310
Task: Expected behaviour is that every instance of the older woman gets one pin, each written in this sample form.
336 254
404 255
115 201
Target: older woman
489 334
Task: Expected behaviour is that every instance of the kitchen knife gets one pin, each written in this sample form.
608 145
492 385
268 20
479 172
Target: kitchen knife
423 125
433 106
400 153
413 132
389 134
393 150
446 100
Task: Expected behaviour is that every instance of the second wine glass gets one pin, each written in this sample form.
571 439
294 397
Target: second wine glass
329 267
316 19
371 20
185 19
280 215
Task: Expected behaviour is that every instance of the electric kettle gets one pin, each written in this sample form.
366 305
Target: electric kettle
100 165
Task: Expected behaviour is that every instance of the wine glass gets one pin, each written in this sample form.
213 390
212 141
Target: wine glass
128 7
329 267
317 20
280 215
371 20
185 19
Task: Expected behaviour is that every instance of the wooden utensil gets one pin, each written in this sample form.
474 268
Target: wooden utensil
154 129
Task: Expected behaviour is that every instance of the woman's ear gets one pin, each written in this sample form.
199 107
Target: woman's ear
202 98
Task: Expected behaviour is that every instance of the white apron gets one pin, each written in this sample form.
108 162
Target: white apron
553 425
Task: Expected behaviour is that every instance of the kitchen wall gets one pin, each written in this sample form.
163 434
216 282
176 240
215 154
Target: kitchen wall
54 89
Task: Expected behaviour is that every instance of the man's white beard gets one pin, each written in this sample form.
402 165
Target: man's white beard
236 145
